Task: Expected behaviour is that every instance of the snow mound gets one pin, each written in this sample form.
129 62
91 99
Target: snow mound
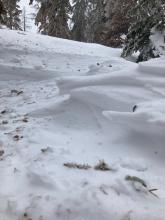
153 67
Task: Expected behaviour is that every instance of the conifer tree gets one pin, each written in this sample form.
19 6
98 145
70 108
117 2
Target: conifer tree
2 11
118 22
101 21
96 21
79 19
148 14
12 16
53 18
88 18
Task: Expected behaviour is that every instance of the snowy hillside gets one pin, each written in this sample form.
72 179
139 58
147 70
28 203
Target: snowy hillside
64 108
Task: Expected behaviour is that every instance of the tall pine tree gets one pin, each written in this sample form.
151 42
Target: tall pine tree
2 11
12 16
96 21
53 17
101 21
79 19
88 17
118 21
148 14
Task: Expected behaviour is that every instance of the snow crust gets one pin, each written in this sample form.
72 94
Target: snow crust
62 101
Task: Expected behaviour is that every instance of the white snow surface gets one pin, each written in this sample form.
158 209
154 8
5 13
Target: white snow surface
76 105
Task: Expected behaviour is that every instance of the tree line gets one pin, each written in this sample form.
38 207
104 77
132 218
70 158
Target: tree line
10 14
114 23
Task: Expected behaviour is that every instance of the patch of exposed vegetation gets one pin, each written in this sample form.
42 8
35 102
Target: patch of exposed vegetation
17 137
102 166
136 179
77 166
16 92
47 149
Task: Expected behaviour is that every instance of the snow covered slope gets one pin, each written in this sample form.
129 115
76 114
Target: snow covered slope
64 102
